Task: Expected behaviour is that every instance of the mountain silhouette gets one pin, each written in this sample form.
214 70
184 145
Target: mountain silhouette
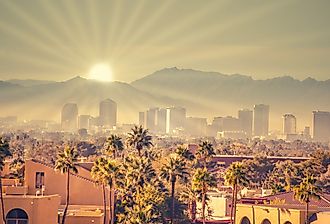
204 94
221 95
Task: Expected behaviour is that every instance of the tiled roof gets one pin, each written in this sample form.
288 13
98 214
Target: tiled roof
288 198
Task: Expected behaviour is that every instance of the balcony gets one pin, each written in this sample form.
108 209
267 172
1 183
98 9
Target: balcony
16 190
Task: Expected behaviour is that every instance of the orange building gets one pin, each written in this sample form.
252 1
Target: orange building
41 197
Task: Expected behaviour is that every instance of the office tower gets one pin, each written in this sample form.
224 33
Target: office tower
84 121
176 117
151 119
141 119
161 120
108 113
307 131
321 126
230 123
245 118
196 126
307 134
289 124
69 117
217 124
261 120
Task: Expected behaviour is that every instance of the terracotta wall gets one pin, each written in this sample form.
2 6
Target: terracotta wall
34 207
82 190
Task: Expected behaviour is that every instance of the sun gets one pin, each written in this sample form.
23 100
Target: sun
101 72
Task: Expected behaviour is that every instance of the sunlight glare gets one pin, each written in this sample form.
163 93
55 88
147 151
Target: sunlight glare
101 72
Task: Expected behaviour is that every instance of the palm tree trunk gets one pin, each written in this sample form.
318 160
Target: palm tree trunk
67 197
173 200
104 205
2 203
193 211
113 204
235 201
203 205
110 203
307 208
232 204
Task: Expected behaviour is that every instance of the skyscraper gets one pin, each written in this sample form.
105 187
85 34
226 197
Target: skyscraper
108 113
289 124
230 124
176 117
84 121
69 117
261 120
196 126
245 118
321 126
151 119
161 120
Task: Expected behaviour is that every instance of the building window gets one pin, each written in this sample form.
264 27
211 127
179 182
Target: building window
40 180
266 221
17 216
245 220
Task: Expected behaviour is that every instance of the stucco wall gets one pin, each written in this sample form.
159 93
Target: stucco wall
40 210
82 191
258 213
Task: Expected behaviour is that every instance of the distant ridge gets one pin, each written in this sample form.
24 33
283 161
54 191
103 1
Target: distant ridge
204 94
28 82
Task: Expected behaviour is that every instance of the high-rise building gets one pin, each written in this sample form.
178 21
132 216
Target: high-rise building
245 118
215 127
108 113
69 117
196 126
230 124
321 126
217 123
307 133
176 117
161 120
141 118
289 124
84 121
151 119
261 120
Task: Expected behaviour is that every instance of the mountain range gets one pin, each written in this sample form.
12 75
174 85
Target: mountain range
204 94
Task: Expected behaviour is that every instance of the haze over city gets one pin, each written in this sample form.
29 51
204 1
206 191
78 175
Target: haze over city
164 112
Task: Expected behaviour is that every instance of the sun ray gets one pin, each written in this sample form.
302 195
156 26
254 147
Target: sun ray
44 34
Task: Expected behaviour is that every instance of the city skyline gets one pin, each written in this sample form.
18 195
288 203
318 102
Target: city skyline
125 40
164 112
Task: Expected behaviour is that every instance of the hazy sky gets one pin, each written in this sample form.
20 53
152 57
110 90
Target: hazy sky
59 39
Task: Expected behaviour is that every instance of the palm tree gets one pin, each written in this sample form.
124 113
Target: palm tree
141 192
111 171
189 196
4 152
114 145
306 191
99 176
139 139
174 168
66 163
205 152
235 176
201 182
184 153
